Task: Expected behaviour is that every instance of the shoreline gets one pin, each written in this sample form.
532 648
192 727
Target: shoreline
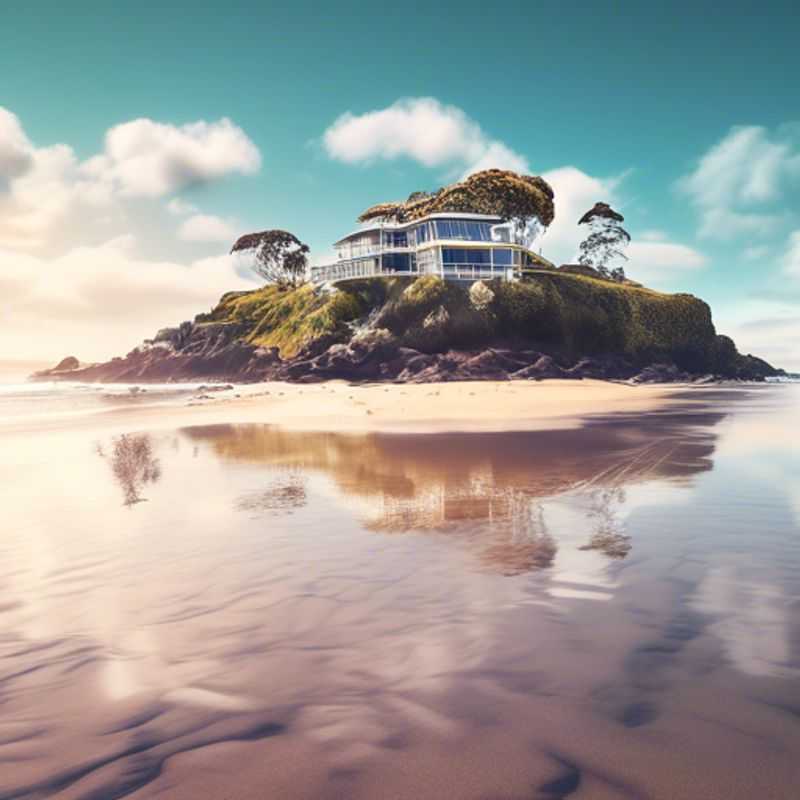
336 406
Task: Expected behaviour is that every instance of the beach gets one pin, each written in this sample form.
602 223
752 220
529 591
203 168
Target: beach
339 406
528 589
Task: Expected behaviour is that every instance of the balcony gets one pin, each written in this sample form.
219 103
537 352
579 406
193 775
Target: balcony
352 270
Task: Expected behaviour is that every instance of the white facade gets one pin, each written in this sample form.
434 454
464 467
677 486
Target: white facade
454 246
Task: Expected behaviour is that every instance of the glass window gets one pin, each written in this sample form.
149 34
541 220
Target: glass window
452 255
458 255
399 261
502 257
396 239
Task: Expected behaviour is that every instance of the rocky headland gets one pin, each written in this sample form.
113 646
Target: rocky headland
564 323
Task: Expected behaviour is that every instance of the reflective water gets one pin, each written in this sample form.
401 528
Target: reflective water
611 612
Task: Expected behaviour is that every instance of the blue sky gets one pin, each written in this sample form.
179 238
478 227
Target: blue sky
685 116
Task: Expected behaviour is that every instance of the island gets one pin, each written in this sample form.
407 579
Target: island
443 286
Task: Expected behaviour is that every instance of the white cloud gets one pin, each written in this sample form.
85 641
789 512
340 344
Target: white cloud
747 168
575 193
653 258
498 156
323 257
423 129
436 135
207 228
653 236
55 307
791 258
143 158
49 200
769 328
15 148
179 207
755 253
666 254
657 264
58 286
43 196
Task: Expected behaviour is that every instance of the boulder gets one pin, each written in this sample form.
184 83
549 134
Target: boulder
661 373
66 364
544 367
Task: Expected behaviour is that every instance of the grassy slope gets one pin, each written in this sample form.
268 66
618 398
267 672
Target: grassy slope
572 314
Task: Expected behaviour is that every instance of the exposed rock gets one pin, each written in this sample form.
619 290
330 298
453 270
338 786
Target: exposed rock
429 330
480 295
543 367
70 362
661 373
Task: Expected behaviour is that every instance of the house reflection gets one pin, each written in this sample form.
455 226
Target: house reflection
284 494
486 489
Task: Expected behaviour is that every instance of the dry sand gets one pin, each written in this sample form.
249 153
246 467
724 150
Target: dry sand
338 406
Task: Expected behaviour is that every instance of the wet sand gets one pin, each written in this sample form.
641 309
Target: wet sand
214 607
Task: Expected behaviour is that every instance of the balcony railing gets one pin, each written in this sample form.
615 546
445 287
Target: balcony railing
348 271
332 273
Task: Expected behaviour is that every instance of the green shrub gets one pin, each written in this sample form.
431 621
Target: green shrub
572 314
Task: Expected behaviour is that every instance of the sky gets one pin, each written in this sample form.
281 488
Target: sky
136 144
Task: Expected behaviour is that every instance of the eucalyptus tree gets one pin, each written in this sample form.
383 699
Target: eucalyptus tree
280 257
605 245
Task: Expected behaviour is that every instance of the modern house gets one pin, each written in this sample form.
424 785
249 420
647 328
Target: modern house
454 245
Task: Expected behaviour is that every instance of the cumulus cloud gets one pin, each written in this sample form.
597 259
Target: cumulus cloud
104 288
69 264
151 159
659 264
207 228
15 148
422 129
49 198
666 254
738 176
653 258
438 135
575 193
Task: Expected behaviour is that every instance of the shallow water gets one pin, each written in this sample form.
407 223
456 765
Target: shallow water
610 612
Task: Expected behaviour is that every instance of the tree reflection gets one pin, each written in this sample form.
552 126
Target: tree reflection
524 543
489 492
133 465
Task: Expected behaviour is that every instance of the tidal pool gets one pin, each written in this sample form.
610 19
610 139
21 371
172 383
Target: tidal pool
246 612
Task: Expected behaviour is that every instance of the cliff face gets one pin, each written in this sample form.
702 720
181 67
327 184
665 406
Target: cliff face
552 324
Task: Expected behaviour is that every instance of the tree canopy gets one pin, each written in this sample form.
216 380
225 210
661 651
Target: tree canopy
280 257
513 197
606 241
